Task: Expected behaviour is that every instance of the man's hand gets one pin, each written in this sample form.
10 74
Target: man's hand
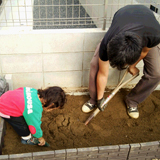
133 70
41 141
99 104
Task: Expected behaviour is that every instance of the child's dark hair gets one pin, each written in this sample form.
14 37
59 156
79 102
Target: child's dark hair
124 49
53 95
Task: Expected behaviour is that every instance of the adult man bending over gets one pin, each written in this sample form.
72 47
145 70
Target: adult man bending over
133 36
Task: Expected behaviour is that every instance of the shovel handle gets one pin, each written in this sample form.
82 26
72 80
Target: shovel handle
92 116
120 85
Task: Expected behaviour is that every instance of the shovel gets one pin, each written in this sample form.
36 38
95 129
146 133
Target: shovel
120 85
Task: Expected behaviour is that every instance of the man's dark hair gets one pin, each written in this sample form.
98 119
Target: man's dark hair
124 49
52 95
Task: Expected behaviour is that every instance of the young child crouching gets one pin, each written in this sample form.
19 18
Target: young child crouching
22 108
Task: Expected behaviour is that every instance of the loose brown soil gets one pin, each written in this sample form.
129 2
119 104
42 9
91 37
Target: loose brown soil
65 128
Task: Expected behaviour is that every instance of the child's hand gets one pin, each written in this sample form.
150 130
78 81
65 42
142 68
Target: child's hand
41 141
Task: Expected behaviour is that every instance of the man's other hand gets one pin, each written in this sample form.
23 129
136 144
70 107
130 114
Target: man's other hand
133 70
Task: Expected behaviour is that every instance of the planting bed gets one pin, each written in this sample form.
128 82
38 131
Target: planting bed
111 132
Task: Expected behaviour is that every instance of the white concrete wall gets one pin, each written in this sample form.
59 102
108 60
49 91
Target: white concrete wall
44 58
41 58
54 57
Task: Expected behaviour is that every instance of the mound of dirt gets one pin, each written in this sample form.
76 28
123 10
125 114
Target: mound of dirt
65 128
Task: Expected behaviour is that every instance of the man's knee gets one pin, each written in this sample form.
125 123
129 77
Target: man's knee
155 75
93 65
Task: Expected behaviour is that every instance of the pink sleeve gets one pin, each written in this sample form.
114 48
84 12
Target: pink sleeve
12 103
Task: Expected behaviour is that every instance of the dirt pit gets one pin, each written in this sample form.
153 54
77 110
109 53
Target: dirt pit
64 129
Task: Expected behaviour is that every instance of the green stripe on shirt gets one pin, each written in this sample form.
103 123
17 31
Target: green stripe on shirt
33 110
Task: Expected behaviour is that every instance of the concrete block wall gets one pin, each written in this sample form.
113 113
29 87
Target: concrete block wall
45 58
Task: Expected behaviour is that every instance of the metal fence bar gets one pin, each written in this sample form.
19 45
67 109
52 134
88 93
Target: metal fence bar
105 14
79 12
12 11
85 12
3 9
19 12
26 14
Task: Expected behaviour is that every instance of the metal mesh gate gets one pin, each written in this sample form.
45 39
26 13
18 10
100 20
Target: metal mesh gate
53 14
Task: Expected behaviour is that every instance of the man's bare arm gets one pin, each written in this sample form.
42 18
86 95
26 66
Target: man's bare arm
102 77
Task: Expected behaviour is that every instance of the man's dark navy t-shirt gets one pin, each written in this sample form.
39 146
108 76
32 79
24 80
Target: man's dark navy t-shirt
134 18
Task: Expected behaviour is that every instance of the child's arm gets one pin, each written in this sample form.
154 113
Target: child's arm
33 111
